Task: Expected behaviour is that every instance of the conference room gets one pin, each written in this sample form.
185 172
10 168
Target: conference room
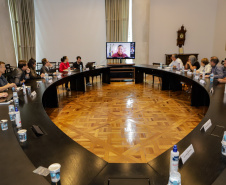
112 92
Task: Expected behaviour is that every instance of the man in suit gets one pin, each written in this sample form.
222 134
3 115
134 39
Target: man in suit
4 85
21 73
46 65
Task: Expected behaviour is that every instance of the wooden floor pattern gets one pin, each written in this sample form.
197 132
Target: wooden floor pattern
126 122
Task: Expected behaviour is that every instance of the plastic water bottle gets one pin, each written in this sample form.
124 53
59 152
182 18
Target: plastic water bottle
211 77
24 89
203 75
16 99
223 142
69 70
18 119
174 159
178 66
183 69
194 72
46 77
12 113
80 67
171 68
175 178
57 72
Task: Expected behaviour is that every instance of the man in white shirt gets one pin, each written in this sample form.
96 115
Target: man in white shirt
175 62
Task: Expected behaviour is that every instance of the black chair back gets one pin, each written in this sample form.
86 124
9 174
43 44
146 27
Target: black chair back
8 68
156 64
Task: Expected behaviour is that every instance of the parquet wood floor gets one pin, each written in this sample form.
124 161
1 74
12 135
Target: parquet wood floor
126 122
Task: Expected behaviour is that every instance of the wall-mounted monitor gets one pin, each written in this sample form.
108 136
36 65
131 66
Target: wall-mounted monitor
120 50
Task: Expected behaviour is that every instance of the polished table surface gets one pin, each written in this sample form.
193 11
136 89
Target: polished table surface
81 167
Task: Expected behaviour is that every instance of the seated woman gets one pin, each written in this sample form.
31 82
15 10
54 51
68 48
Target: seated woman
192 63
205 66
223 80
64 65
33 73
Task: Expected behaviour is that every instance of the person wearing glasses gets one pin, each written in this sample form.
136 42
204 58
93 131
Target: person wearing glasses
192 63
176 62
217 68
4 84
46 67
223 80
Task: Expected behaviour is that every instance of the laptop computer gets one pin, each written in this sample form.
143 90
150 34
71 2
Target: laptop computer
90 65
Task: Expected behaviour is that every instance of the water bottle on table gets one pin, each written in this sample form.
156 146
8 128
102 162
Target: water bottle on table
203 75
194 72
16 99
24 89
18 119
12 114
211 77
69 70
46 77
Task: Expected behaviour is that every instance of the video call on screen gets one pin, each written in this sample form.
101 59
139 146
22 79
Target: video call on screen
127 50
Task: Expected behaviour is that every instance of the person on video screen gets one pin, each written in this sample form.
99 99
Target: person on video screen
120 53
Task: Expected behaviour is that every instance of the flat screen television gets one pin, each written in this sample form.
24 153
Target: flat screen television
120 50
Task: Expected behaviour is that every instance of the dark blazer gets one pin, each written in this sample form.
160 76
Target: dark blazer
17 76
47 70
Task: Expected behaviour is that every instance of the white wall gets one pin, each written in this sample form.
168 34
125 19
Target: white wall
71 28
7 52
141 19
219 47
166 17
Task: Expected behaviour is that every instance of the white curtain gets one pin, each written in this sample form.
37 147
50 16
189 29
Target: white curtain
23 28
117 21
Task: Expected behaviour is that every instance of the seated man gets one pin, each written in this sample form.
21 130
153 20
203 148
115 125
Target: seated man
77 65
46 65
4 85
223 80
20 74
175 62
120 53
217 68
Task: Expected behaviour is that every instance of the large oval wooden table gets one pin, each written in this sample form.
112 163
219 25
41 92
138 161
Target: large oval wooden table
81 167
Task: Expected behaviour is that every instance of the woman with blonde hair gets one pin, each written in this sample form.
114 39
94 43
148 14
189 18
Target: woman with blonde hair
205 66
